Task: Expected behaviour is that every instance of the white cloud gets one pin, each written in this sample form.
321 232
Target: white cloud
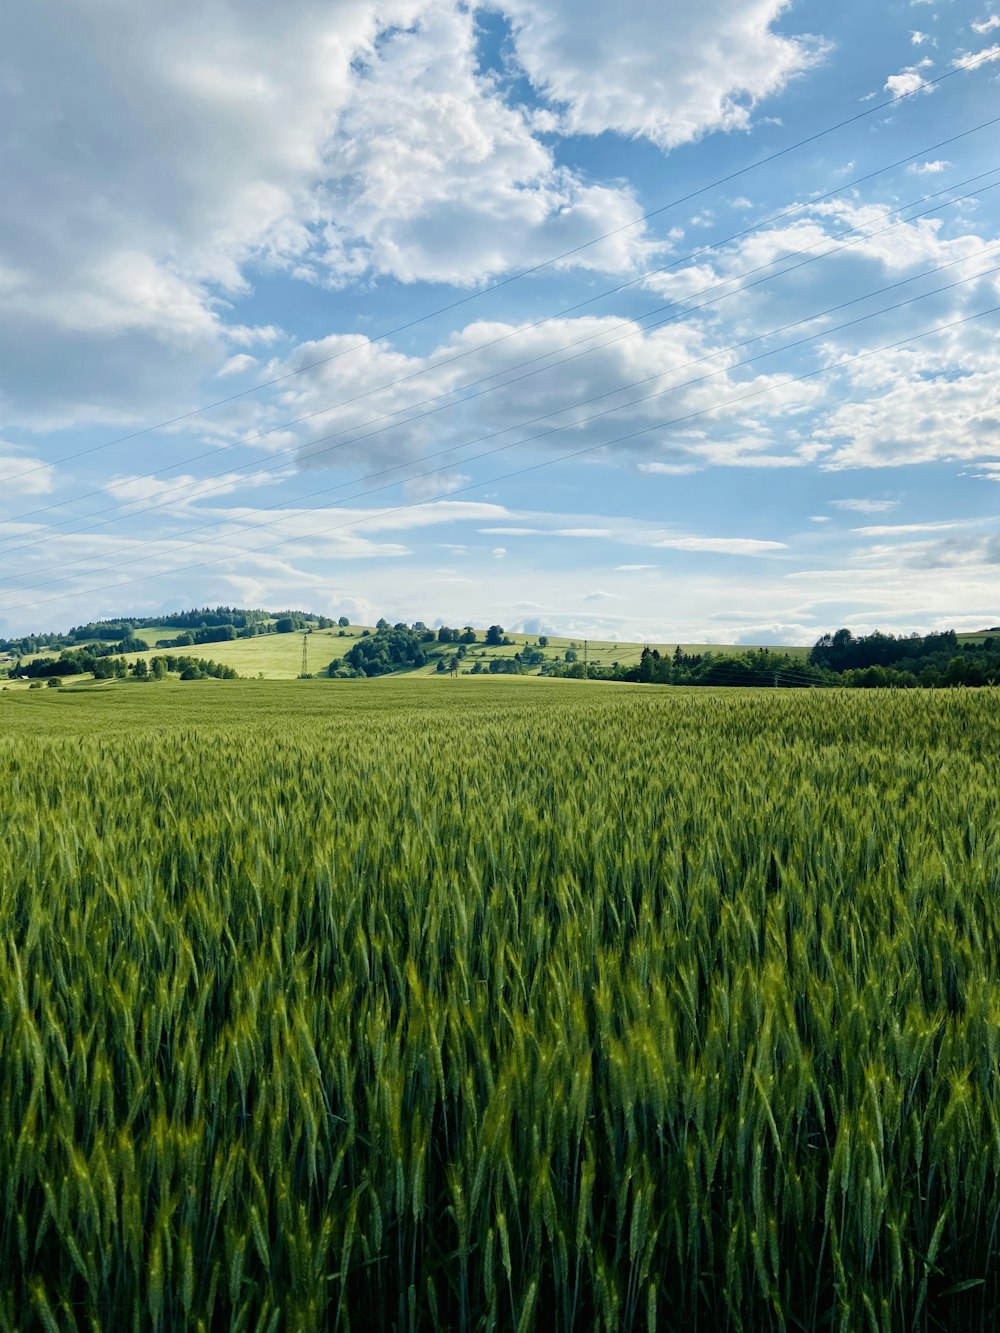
976 58
439 177
421 488
721 545
906 529
513 532
585 533
585 396
236 365
629 70
866 506
23 475
633 569
917 406
928 168
931 400
178 493
329 142
986 25
498 552
907 81
918 38
668 469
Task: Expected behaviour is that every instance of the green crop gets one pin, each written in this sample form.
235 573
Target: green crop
514 1005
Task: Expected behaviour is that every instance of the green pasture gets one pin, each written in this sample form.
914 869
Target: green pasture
279 656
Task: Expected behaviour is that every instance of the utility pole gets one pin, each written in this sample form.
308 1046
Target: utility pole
586 668
305 657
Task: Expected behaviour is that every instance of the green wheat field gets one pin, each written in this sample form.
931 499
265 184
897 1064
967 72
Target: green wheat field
489 1005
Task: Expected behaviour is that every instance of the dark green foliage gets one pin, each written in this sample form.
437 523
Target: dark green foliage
200 668
934 660
216 634
505 666
843 651
387 650
756 667
116 631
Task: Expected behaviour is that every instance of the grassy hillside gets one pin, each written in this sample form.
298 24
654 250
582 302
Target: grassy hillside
279 656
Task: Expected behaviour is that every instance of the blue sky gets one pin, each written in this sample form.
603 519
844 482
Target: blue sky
712 423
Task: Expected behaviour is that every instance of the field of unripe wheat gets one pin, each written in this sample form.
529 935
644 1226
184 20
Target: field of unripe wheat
489 1006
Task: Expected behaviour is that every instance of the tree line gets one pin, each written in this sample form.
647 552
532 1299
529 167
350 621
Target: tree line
402 647
109 667
199 625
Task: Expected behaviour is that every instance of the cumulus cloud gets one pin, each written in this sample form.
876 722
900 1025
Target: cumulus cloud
628 70
439 177
328 143
922 410
383 409
987 24
928 168
908 80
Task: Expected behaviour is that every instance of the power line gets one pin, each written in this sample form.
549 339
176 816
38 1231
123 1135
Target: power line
527 328
524 471
595 416
198 492
596 398
528 272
